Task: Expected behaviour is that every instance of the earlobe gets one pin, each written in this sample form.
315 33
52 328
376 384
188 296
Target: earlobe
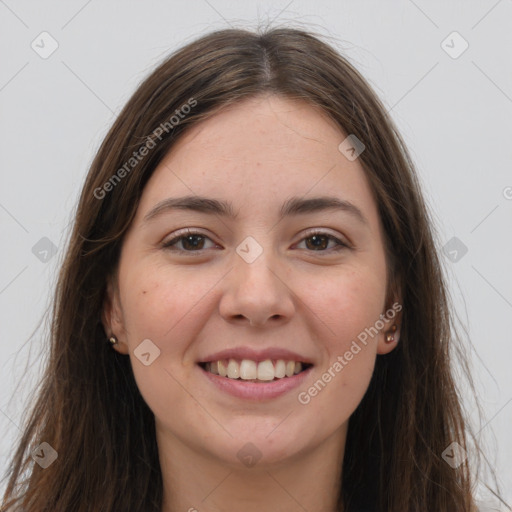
390 335
388 339
112 318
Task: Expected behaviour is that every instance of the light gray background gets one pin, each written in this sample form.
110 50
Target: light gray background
454 113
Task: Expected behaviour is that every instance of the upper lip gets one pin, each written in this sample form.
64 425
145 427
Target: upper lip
240 353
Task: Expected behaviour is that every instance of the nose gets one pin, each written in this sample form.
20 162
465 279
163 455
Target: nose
257 292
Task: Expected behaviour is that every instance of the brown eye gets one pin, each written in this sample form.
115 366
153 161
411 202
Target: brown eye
319 242
192 241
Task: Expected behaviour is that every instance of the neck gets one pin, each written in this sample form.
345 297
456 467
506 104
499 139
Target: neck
199 482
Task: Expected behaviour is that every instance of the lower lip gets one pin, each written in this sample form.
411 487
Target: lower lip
256 390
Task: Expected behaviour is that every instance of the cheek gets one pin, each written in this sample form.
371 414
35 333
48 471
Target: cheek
158 302
349 306
166 306
160 307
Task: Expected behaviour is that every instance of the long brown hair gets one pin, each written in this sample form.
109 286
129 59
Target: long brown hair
89 409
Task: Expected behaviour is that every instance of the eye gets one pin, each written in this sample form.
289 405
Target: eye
320 240
190 240
193 241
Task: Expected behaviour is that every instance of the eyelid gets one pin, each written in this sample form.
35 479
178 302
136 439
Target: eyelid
341 242
182 233
325 231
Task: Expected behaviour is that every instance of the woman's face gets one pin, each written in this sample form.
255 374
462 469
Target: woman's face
254 282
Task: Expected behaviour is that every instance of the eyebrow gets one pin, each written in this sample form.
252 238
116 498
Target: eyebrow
293 206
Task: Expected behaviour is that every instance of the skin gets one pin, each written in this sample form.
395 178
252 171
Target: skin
256 154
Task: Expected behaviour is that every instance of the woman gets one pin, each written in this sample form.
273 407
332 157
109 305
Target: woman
252 313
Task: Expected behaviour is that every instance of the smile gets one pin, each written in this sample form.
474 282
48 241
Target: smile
253 371
255 381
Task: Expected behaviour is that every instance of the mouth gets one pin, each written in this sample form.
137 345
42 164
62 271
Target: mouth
246 370
255 381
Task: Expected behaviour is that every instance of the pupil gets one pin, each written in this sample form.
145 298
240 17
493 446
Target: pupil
319 239
188 239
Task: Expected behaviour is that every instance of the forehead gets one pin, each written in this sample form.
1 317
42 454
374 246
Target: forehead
258 152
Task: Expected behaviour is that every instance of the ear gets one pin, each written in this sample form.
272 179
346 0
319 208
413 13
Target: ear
112 316
392 319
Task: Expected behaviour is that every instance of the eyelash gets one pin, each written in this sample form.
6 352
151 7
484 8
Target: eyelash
168 245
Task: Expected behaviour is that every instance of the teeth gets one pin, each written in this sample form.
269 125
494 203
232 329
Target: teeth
251 370
280 369
266 370
223 369
233 369
248 370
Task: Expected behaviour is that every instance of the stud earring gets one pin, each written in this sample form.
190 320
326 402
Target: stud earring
390 336
113 340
